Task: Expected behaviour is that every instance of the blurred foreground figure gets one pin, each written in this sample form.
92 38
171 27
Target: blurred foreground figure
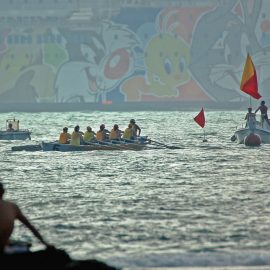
50 258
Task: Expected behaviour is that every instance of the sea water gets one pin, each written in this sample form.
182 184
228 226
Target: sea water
204 204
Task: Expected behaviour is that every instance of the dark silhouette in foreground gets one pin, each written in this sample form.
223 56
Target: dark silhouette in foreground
50 258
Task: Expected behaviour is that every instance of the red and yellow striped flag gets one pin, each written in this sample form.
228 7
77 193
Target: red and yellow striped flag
249 82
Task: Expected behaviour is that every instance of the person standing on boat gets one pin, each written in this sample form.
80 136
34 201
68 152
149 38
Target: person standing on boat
10 128
64 137
251 119
76 136
115 133
9 212
136 130
263 109
102 134
89 135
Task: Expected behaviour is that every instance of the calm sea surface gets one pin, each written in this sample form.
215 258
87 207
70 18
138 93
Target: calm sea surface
206 204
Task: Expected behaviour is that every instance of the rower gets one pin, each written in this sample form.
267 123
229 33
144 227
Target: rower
76 136
102 134
128 133
89 135
115 133
64 137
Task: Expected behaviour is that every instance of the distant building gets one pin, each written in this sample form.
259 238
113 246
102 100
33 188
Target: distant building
118 51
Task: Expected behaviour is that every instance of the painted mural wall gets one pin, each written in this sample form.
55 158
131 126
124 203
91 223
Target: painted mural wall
142 54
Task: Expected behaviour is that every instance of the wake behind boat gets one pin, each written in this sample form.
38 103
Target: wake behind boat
13 132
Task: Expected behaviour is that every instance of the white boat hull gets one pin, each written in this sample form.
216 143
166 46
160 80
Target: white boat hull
264 134
15 135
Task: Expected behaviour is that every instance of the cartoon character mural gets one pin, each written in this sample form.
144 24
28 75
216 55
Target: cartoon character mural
28 66
98 66
221 40
166 58
188 53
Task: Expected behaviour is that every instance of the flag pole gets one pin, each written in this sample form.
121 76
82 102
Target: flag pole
204 139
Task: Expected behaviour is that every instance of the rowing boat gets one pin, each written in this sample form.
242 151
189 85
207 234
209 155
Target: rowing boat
108 145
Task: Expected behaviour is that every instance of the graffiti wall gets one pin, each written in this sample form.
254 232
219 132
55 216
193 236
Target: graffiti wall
191 53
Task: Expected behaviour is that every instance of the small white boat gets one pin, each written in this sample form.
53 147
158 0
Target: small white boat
13 132
252 127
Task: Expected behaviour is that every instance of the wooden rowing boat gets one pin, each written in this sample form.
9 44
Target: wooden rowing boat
108 145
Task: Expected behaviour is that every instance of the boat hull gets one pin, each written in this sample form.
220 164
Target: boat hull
55 146
15 135
243 132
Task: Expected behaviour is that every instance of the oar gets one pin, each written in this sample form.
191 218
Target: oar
165 145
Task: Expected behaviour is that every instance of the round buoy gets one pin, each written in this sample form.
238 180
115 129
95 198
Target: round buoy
252 140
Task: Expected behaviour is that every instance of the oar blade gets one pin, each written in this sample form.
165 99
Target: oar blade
164 145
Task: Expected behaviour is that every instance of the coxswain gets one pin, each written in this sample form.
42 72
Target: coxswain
136 130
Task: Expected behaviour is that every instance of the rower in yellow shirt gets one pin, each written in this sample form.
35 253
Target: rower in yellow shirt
76 136
115 133
89 135
128 132
64 137
102 134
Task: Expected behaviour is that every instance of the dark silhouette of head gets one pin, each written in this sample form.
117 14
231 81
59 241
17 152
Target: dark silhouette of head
77 128
2 190
263 102
249 109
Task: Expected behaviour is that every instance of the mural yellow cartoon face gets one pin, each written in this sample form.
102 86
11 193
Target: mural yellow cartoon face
166 59
14 61
28 67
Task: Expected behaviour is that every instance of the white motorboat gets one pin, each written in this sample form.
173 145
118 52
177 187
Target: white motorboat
13 132
252 126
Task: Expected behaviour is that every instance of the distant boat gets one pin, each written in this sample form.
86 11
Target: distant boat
264 132
13 132
249 85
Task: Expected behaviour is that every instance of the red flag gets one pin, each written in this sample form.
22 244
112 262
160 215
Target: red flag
200 119
249 82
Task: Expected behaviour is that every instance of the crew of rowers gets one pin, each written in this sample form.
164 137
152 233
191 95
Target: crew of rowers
89 136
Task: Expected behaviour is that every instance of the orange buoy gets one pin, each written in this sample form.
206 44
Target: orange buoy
252 139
